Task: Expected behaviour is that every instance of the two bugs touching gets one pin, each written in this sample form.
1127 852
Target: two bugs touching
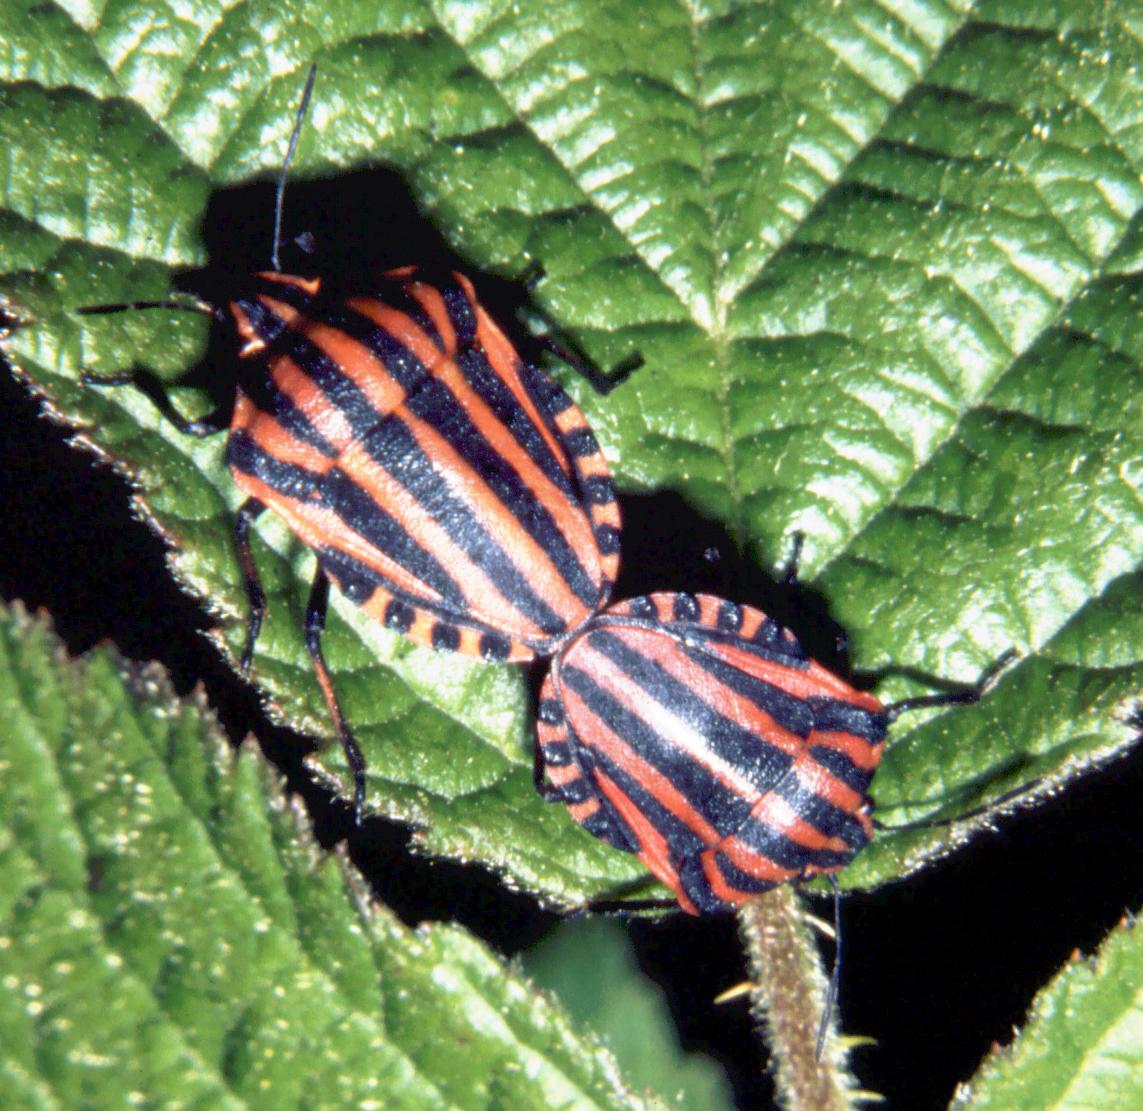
454 492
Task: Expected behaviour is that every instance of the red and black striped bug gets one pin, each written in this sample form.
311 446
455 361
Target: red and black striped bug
449 488
698 734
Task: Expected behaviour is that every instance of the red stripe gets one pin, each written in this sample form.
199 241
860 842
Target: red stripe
654 850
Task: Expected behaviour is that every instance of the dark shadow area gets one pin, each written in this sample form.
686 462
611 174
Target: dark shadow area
669 546
346 229
936 968
947 962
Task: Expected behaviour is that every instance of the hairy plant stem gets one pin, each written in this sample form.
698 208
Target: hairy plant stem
787 997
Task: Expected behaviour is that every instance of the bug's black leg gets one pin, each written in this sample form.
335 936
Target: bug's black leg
148 384
532 277
554 339
543 788
976 812
248 513
954 698
963 697
314 626
632 907
790 575
602 381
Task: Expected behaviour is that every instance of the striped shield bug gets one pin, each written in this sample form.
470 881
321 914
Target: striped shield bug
446 486
698 734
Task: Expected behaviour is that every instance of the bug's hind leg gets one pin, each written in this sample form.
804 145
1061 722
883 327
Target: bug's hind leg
314 627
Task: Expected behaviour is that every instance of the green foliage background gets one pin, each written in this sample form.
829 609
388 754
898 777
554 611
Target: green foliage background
882 261
172 937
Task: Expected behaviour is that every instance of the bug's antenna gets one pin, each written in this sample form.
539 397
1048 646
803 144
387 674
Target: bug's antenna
281 194
835 975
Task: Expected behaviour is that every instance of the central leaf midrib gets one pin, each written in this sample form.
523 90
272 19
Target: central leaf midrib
718 334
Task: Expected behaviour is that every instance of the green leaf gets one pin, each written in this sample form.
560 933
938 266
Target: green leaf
882 261
1080 1048
590 966
170 934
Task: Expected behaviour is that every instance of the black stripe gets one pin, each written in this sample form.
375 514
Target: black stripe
361 513
551 712
609 826
769 642
437 406
396 294
685 608
842 767
358 582
822 713
681 838
606 822
775 642
399 361
574 790
557 753
740 881
245 456
790 712
751 754
491 387
581 443
275 405
643 608
461 311
729 616
770 842
445 637
286 292
597 490
697 888
607 540
394 448
399 615
549 394
819 813
721 807
494 648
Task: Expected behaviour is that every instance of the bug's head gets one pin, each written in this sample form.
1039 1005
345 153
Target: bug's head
270 305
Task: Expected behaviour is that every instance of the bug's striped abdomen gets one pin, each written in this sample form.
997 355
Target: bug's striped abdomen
452 491
698 734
